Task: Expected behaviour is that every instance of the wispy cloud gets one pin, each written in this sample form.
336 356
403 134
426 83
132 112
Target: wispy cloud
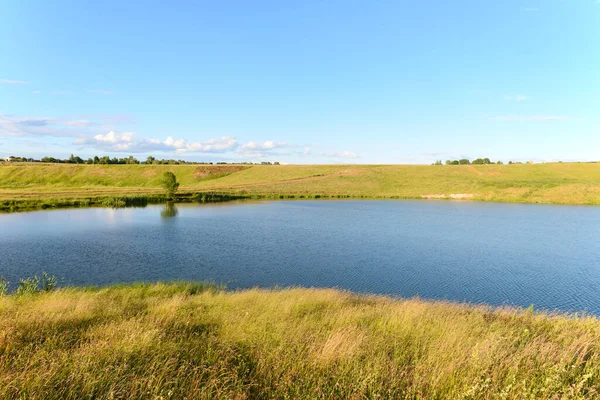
340 154
215 145
49 126
433 154
106 92
82 123
13 82
516 97
33 126
109 119
258 149
531 118
36 92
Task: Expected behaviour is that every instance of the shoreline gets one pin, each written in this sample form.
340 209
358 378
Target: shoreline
141 200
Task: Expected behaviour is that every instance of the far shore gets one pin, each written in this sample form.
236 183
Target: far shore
30 186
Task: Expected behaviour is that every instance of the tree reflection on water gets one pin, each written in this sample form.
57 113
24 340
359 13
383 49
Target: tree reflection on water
169 211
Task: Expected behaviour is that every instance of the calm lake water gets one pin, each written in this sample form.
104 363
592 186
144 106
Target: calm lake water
476 252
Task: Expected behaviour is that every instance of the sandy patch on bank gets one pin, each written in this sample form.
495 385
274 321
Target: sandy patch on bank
453 196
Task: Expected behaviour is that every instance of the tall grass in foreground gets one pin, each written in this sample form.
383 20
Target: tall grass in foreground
191 340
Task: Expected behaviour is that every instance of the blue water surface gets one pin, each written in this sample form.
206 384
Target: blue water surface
491 253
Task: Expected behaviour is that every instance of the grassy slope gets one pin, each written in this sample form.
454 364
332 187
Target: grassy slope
179 340
569 183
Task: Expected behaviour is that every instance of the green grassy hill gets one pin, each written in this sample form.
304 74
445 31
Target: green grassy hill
568 183
191 341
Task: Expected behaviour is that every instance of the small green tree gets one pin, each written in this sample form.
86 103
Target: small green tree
169 183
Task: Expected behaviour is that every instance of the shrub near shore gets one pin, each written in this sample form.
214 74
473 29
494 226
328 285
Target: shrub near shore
194 340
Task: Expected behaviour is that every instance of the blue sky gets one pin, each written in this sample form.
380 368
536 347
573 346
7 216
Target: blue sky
302 82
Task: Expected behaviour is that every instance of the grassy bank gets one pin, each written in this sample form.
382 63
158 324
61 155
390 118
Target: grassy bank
117 201
191 340
564 183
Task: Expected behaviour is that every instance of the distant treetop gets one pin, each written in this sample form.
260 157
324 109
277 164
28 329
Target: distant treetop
464 161
105 160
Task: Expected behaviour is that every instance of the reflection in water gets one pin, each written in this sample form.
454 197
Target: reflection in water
169 211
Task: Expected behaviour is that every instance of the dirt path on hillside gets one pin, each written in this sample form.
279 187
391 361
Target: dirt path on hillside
242 185
474 170
305 178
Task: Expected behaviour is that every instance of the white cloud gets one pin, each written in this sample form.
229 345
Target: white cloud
340 154
531 118
101 131
36 92
126 141
215 145
13 82
118 141
107 92
517 97
306 151
114 137
252 147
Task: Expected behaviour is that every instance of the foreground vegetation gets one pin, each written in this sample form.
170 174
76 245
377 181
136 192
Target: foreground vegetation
193 340
37 185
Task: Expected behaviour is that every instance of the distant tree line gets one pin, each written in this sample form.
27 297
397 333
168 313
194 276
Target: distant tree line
95 160
105 160
478 161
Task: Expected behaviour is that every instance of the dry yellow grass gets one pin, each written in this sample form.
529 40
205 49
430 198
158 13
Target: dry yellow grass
187 341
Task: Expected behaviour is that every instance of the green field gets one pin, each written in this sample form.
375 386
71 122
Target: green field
563 183
191 340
